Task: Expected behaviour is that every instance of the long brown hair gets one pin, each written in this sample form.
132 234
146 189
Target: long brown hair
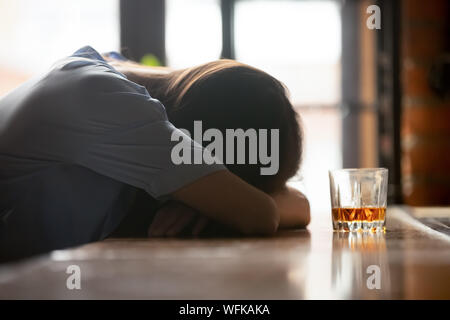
226 94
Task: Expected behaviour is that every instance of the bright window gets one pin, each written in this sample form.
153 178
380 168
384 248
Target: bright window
34 34
299 43
193 32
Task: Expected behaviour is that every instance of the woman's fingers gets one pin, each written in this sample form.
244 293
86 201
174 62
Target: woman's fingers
171 219
199 226
183 221
164 218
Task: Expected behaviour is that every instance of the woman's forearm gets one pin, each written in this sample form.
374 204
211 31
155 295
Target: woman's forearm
293 208
225 198
140 70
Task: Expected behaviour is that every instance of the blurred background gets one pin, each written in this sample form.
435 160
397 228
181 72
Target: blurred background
367 98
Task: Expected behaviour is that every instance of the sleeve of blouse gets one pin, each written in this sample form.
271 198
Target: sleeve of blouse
137 147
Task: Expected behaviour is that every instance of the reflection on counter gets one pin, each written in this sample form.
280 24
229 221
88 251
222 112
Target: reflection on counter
360 266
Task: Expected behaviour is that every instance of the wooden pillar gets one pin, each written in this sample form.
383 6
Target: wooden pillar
425 132
350 84
142 29
227 10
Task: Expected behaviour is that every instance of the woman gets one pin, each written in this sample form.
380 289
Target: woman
86 149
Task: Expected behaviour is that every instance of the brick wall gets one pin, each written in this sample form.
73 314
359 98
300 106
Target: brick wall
425 129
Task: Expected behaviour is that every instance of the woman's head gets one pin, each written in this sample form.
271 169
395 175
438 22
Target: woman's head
225 94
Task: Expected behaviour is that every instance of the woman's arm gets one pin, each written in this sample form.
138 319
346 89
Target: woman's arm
227 199
135 68
293 208
177 219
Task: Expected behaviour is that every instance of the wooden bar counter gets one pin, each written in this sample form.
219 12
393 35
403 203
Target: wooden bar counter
409 261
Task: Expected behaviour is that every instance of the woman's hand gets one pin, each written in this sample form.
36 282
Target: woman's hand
293 208
175 219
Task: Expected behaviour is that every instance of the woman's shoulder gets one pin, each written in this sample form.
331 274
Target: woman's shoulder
83 86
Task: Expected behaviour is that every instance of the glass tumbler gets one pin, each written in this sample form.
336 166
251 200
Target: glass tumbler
358 199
